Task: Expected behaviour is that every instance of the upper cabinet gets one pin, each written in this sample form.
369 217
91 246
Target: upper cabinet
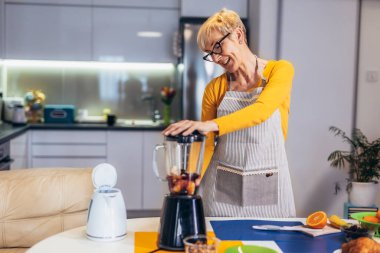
50 2
201 8
100 30
137 3
47 32
134 34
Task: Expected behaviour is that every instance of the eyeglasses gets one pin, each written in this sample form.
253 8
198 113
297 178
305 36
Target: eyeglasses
217 49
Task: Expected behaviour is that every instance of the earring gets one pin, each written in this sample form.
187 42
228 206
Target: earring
240 42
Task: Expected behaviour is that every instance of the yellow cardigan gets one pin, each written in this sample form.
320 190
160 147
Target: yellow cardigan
276 95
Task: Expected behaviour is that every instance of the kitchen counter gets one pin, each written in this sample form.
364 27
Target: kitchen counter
9 131
97 126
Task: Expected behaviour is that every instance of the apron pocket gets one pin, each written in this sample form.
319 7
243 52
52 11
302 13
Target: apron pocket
228 187
256 188
260 188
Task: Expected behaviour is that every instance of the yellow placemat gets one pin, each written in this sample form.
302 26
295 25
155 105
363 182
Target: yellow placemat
147 241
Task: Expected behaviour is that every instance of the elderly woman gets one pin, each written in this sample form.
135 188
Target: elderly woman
246 108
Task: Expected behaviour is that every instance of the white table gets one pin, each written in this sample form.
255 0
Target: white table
74 240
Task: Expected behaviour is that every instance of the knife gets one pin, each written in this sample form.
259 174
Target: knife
286 228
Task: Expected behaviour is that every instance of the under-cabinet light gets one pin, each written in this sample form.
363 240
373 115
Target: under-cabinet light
88 65
149 34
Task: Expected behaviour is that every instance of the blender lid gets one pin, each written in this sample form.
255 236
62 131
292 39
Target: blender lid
194 137
104 175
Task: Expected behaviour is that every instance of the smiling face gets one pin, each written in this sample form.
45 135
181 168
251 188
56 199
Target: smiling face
224 50
223 38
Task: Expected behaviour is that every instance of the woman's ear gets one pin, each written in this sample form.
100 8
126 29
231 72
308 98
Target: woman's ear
240 36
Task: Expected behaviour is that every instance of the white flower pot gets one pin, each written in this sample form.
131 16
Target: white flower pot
363 194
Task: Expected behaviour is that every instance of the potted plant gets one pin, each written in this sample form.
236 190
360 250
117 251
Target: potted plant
364 161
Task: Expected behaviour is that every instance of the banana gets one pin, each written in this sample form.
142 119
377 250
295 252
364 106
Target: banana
337 222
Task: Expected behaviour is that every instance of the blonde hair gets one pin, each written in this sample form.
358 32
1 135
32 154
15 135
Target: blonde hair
225 21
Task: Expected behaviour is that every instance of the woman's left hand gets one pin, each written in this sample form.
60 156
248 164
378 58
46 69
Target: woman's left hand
187 127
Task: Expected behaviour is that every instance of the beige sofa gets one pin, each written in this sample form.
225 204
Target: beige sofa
37 203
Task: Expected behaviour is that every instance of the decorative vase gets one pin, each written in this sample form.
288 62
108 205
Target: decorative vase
166 114
363 194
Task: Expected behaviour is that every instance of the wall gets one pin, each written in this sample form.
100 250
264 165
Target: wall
263 25
368 102
319 38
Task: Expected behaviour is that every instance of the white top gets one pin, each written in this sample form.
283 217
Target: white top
74 240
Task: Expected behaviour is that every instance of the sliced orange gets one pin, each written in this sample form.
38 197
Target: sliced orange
372 219
317 220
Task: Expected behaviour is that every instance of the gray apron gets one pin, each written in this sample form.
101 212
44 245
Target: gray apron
248 175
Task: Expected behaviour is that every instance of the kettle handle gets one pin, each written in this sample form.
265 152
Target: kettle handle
155 167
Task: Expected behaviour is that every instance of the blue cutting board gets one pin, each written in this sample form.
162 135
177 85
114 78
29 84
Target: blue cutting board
288 241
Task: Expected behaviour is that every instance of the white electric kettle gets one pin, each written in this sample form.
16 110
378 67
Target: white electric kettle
107 217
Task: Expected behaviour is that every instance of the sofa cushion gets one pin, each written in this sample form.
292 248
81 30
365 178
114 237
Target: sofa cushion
37 203
14 250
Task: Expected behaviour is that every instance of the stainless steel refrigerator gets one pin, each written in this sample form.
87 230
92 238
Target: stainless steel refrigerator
196 73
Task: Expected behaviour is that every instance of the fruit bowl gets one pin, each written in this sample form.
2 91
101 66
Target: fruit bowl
372 226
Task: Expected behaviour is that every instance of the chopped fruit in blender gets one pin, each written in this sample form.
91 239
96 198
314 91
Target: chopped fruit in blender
190 188
174 170
183 184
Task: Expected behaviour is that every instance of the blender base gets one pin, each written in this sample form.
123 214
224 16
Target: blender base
181 216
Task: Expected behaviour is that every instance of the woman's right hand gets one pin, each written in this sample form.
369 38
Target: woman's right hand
187 127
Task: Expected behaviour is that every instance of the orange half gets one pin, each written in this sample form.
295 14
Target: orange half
317 220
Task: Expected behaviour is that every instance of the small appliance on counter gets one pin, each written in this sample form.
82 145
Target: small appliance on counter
182 213
11 105
19 116
59 114
107 217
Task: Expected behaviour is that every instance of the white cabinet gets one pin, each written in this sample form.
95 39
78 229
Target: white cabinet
2 41
47 32
201 8
153 190
137 3
119 34
125 154
19 151
89 30
50 2
67 148
130 152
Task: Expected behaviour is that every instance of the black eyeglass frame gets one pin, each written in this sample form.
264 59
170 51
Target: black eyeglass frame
219 42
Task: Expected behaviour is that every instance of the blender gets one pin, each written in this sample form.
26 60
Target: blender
182 213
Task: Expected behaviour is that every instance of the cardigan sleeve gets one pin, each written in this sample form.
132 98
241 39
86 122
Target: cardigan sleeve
275 93
209 112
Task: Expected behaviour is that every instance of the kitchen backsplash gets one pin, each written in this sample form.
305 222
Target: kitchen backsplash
131 91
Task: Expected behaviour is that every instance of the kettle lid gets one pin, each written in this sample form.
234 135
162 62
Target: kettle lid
104 175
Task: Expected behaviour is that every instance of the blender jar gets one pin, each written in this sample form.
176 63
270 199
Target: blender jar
183 162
